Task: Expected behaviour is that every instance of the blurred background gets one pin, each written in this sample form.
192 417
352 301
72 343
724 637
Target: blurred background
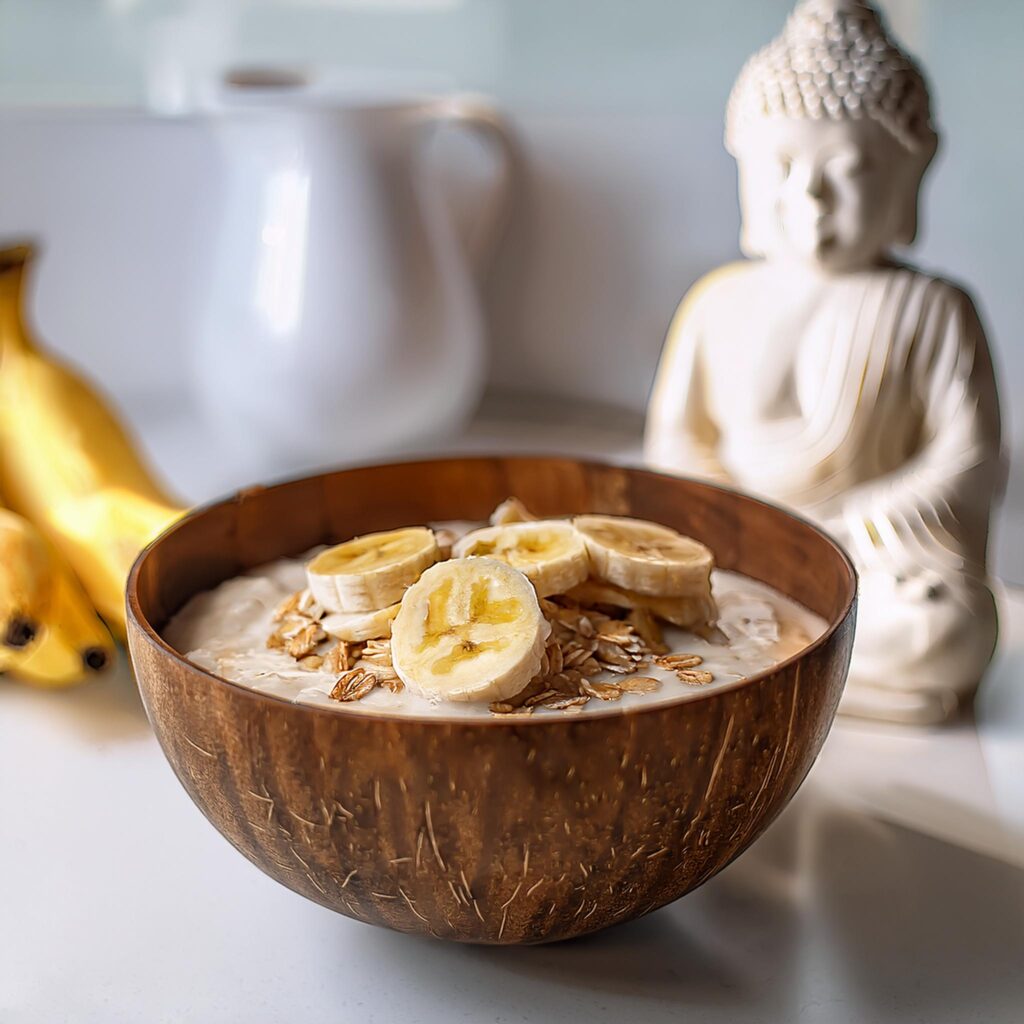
505 281
625 197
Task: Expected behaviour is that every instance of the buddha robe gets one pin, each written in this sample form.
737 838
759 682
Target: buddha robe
867 402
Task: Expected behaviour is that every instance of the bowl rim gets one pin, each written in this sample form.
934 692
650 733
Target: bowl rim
146 630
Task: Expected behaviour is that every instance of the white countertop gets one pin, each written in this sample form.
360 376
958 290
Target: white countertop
891 889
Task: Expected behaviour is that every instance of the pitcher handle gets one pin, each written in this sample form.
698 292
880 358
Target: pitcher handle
482 118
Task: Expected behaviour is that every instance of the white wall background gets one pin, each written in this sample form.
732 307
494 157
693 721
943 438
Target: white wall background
629 195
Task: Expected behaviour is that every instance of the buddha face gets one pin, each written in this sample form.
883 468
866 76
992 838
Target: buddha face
835 195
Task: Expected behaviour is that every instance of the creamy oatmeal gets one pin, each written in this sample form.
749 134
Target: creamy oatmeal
587 652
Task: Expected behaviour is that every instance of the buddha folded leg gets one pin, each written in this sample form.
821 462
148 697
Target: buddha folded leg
923 641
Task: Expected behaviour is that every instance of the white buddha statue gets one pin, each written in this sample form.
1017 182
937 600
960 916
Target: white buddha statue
828 376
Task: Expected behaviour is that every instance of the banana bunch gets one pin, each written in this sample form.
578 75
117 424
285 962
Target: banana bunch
80 507
49 633
471 627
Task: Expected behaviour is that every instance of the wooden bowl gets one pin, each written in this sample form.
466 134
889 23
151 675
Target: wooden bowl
487 830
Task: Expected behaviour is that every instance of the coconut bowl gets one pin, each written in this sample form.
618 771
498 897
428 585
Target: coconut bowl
490 830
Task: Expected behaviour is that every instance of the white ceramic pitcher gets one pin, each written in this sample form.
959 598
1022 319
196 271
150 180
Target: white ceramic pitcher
342 319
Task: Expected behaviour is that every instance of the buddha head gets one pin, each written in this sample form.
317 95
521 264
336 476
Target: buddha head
831 129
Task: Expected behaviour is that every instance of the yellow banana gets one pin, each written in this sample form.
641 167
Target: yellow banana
52 635
66 463
24 581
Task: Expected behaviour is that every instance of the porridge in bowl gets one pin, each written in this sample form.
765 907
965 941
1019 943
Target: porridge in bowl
501 820
521 617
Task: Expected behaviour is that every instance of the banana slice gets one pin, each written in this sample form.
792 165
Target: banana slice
511 510
358 626
696 612
644 557
469 630
371 572
550 552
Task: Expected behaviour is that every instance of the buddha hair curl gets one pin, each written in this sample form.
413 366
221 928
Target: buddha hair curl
835 60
